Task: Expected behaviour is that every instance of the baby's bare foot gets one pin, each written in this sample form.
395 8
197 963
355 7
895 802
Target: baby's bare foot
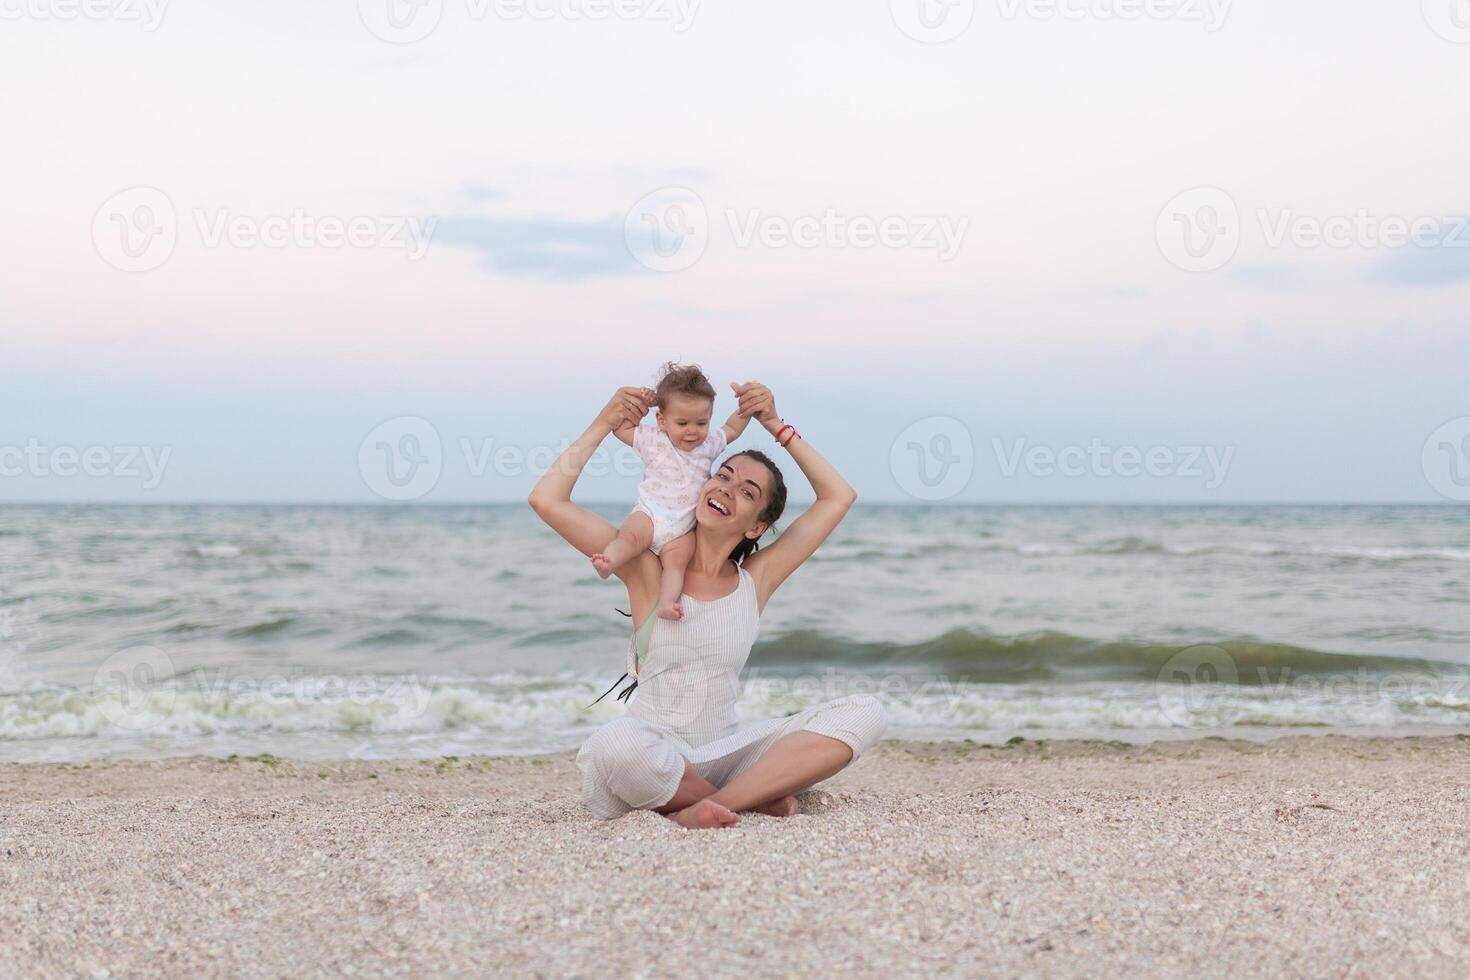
786 806
603 565
706 814
670 610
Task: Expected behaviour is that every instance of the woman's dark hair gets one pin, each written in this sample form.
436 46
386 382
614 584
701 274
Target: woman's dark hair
682 379
771 512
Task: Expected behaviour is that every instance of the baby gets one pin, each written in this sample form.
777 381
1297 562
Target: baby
677 458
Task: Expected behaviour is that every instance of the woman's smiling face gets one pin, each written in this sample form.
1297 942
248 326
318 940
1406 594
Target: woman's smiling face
735 496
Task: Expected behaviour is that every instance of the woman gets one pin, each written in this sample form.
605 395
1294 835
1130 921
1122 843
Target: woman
681 751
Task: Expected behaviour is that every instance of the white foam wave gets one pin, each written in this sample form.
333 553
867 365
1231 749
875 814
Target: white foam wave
1258 549
216 551
524 709
193 706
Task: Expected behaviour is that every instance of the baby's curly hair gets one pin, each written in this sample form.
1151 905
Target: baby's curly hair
682 379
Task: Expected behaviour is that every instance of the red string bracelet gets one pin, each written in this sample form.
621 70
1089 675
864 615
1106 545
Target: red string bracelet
782 431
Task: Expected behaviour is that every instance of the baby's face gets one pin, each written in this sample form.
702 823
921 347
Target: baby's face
686 420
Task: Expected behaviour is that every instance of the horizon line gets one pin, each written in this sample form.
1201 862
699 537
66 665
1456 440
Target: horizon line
408 504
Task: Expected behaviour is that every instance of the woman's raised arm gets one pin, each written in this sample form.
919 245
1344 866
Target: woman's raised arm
551 498
770 566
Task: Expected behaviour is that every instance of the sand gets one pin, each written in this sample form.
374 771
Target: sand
1320 856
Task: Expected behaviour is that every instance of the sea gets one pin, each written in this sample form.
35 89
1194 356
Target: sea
330 632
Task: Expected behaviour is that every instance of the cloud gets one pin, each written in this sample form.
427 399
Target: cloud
1433 265
474 190
1267 275
540 248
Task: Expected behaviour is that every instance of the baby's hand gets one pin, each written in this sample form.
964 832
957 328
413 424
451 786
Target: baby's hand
756 400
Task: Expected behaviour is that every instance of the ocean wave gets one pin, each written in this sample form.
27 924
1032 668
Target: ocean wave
506 708
1148 708
89 607
200 704
1139 546
436 621
1050 656
1391 554
265 628
215 551
389 638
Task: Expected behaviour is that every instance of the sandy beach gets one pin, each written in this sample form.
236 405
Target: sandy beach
1311 856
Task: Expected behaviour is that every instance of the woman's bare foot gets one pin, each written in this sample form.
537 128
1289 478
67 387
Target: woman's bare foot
786 806
669 610
603 564
702 815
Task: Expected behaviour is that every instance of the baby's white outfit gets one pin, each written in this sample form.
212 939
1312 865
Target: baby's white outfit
671 480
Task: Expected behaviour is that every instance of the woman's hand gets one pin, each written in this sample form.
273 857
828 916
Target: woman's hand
626 408
756 402
587 532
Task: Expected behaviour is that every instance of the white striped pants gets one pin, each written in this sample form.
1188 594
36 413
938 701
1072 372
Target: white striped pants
633 764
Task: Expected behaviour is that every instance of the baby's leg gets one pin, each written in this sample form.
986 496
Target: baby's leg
633 538
674 557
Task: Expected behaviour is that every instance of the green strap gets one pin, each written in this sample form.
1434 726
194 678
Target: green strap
641 638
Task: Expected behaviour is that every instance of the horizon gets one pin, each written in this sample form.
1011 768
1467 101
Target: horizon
616 504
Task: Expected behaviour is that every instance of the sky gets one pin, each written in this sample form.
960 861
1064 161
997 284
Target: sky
1024 250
